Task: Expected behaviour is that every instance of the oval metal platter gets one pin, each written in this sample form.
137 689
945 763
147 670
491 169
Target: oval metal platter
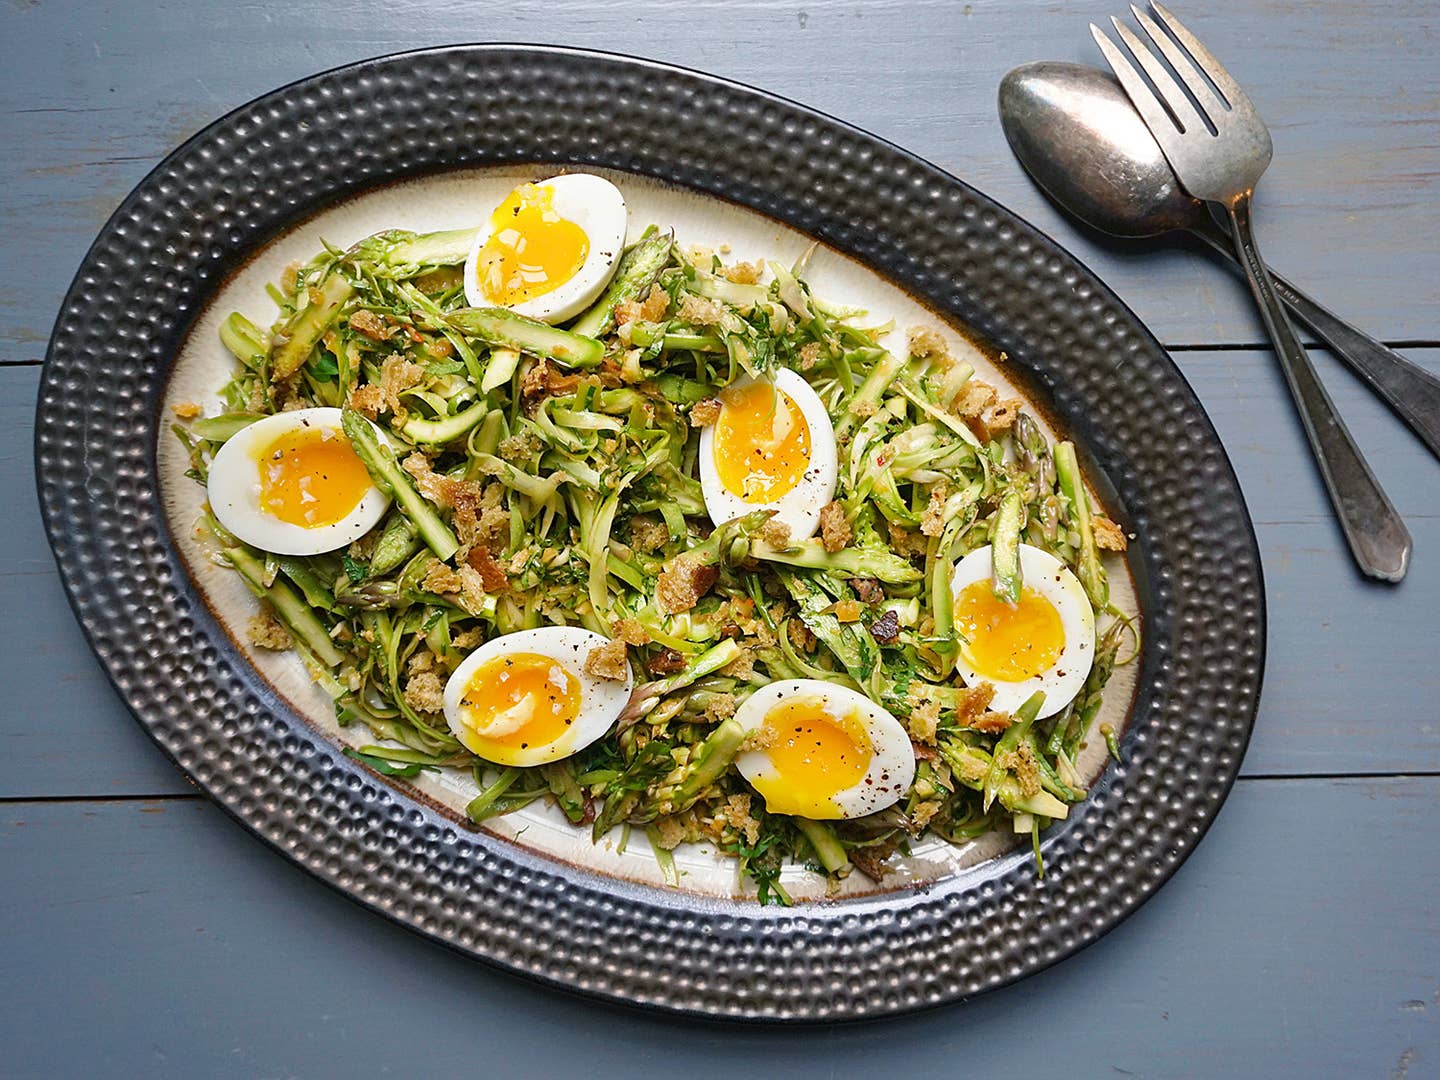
208 215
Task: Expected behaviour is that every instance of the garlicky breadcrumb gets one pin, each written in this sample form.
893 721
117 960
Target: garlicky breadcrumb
608 661
835 531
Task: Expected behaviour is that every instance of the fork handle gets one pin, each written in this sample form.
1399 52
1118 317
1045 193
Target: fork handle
1412 393
1377 536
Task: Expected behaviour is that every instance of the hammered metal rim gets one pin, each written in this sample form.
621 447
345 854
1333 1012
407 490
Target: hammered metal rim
249 176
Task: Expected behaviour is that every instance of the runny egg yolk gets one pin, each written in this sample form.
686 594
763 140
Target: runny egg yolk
517 701
815 754
1009 644
532 250
762 442
311 477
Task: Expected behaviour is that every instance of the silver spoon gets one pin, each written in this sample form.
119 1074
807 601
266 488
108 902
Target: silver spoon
1078 136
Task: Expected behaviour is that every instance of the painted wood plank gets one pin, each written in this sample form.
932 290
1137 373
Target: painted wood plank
159 940
63 730
89 101
1350 684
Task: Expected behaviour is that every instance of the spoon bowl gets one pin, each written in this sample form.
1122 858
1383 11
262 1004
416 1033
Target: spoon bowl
1078 136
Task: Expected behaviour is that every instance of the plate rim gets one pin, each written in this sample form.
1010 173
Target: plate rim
46 465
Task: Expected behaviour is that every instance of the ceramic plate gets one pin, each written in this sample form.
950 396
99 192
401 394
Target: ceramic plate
428 140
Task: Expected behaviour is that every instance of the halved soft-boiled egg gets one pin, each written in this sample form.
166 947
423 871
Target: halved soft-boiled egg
291 484
822 751
1044 642
526 699
549 248
772 447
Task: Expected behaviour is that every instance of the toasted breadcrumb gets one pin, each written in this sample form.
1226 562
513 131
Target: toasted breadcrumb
647 534
924 721
367 400
187 410
700 310
743 273
492 574
1107 533
468 639
682 584
925 341
721 707
422 660
368 323
801 636
608 661
990 723
742 667
835 531
520 447
544 379
775 533
472 590
265 631
1027 771
862 408
973 399
626 312
972 701
425 692
670 832
932 522
810 354
738 816
1001 417
397 375
905 542
441 580
704 413
290 278
442 490
630 631
760 738
656 303
923 813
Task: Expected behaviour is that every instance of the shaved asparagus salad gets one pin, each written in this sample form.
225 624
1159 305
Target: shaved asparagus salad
700 558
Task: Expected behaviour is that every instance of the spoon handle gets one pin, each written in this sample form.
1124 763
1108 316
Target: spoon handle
1378 538
1412 393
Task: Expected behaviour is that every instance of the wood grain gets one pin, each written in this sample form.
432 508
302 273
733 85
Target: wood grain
1349 207
1299 940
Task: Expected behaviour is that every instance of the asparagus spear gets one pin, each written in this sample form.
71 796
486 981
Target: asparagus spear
385 471
636 271
292 346
1090 572
504 329
396 544
1005 580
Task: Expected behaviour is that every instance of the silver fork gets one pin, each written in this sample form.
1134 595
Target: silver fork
1221 161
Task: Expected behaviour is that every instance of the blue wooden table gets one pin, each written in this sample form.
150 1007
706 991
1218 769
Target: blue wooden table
146 935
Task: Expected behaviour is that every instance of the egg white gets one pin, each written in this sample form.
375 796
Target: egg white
800 507
601 700
892 760
1053 580
594 204
234 490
